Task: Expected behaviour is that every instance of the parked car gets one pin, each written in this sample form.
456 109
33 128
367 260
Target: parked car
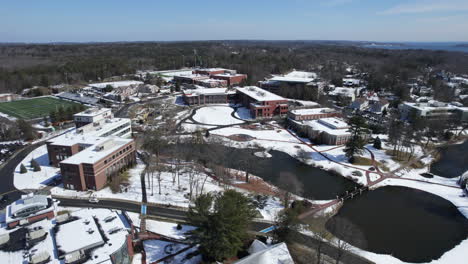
94 200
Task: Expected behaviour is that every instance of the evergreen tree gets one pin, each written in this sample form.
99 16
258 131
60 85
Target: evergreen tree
23 169
26 130
356 143
45 120
377 143
35 165
287 222
69 113
221 231
207 133
53 116
61 115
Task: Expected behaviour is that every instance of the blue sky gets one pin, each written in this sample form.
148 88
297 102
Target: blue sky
139 20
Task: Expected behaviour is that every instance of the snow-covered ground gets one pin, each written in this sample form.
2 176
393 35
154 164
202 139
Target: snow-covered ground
215 115
35 179
167 229
188 127
171 194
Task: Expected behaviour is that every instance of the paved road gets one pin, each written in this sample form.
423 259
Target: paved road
171 213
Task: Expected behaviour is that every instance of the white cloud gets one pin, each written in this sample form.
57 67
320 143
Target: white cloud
427 7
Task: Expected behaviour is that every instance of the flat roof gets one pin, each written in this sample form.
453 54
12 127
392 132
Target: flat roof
91 112
212 69
79 234
78 97
91 134
115 84
321 126
435 105
93 154
259 94
208 91
295 76
229 75
313 111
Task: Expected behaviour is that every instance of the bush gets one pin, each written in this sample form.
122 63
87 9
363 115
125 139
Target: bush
35 165
23 169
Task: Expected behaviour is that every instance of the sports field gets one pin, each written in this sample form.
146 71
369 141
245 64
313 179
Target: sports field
33 108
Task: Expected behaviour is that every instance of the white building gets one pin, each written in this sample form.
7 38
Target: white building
434 110
92 115
329 131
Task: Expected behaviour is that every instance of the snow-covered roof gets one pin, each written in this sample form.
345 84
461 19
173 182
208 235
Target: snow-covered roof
435 105
216 81
228 75
115 84
344 91
259 94
78 235
332 126
89 134
91 112
97 152
312 111
295 76
208 91
22 204
275 254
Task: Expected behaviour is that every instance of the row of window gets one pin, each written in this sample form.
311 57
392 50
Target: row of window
127 148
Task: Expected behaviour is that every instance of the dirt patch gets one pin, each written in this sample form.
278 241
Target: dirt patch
241 137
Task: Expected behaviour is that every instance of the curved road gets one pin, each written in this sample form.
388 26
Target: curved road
7 171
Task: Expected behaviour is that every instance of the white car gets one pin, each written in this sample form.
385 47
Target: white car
94 200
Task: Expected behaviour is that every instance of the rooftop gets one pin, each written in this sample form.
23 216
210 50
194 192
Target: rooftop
296 76
93 112
331 126
28 201
312 111
228 74
98 151
85 235
435 105
208 91
115 84
259 94
78 97
89 134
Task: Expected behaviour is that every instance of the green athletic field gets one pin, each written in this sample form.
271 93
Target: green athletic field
33 108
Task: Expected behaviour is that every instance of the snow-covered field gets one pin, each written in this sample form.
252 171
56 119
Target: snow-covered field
216 115
171 194
35 179
167 229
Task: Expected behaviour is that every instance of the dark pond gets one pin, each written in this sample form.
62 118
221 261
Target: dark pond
453 161
281 170
412 225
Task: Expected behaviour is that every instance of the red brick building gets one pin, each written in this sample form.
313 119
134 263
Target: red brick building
312 113
262 104
208 96
94 167
232 79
